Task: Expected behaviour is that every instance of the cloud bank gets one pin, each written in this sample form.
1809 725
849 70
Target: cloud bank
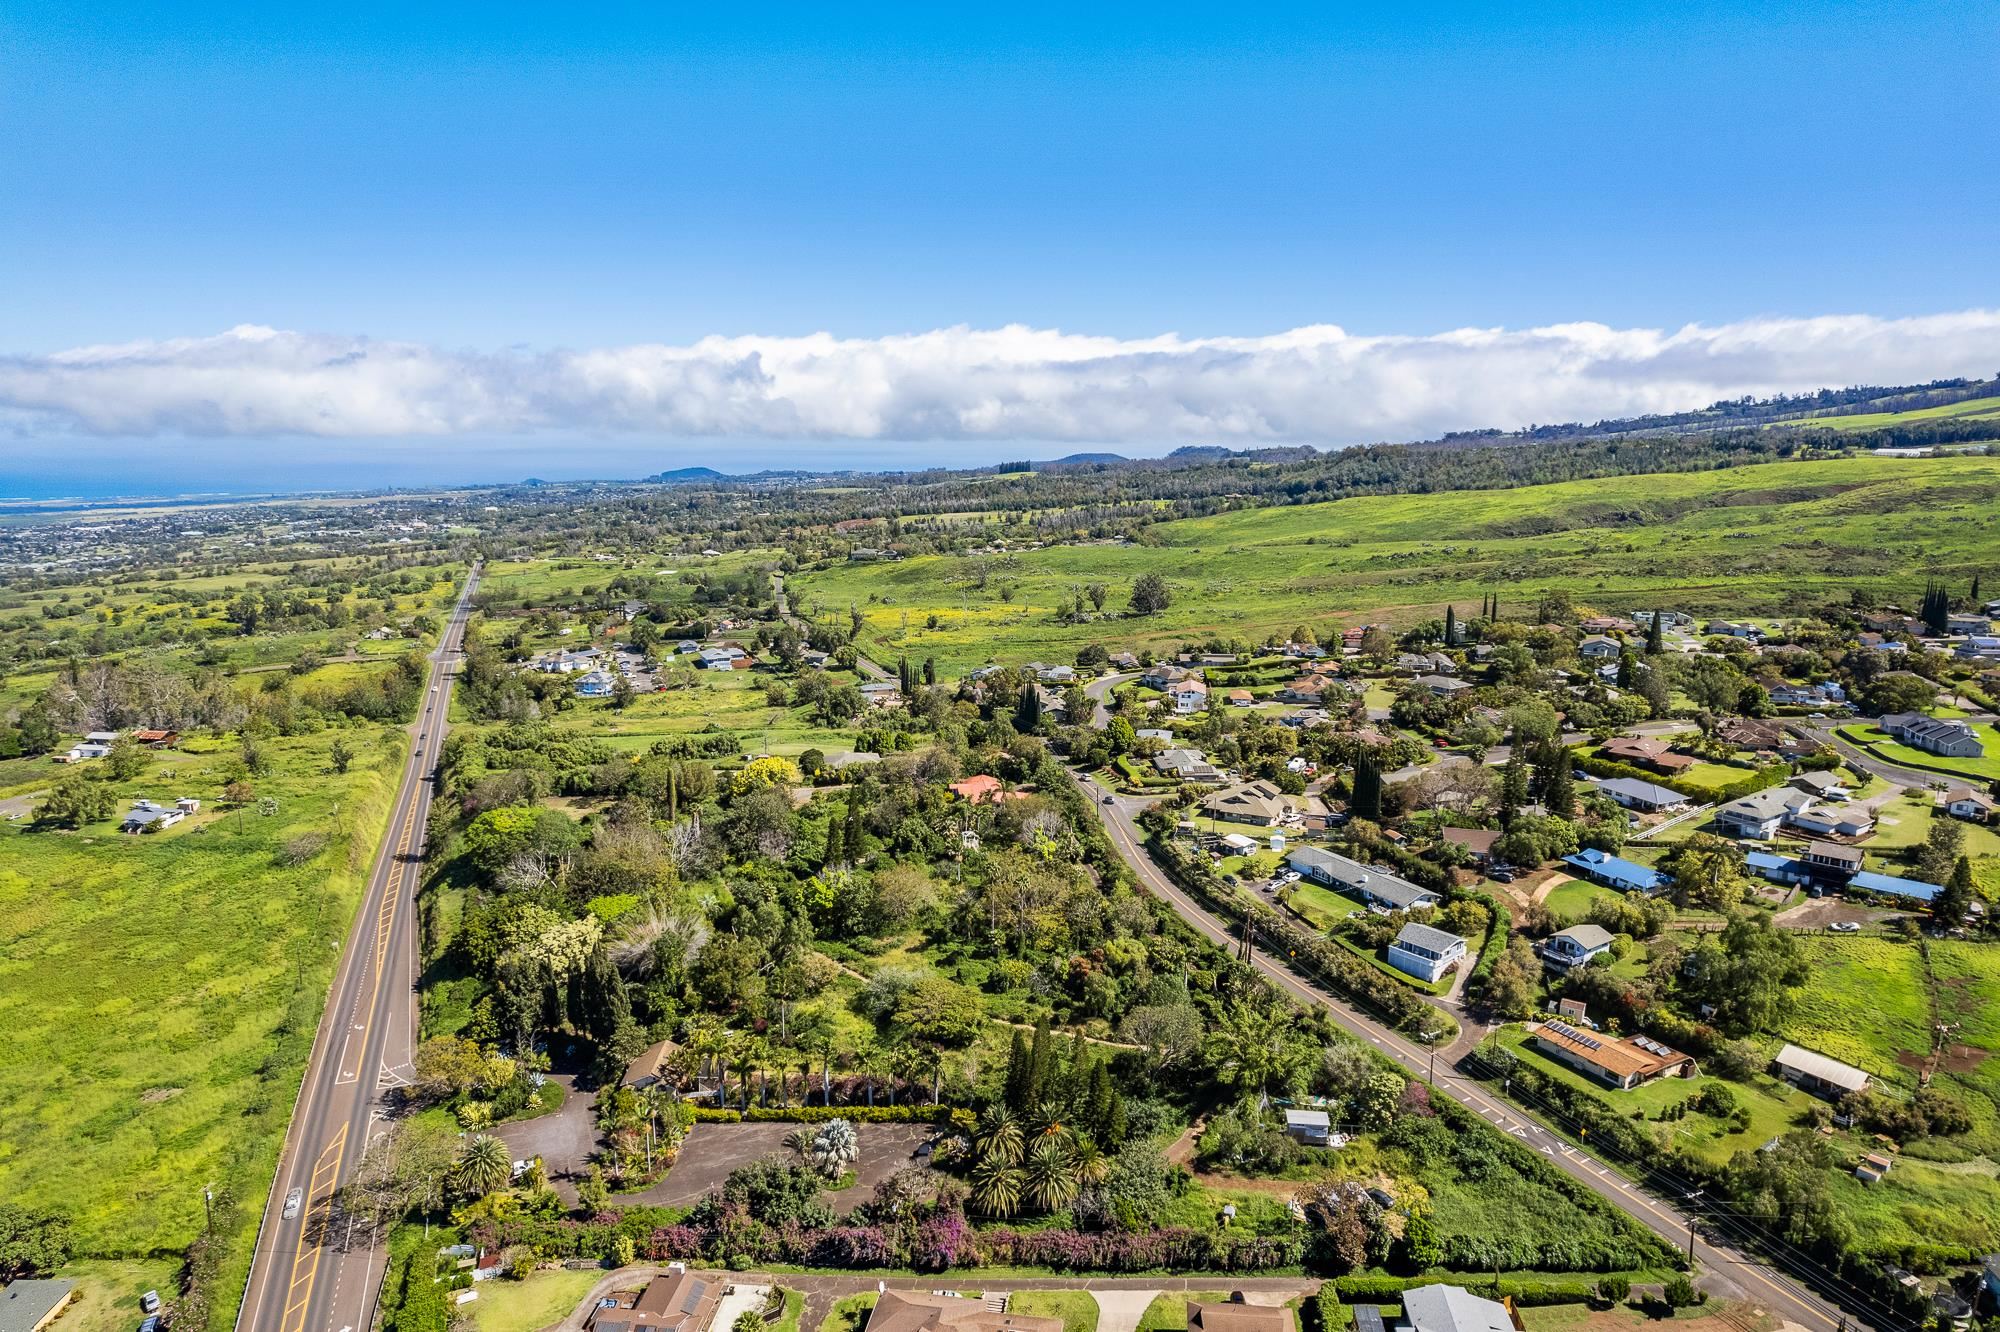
1316 385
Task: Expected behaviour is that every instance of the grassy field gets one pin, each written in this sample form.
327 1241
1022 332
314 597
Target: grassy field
1168 1311
1970 409
160 993
717 701
1570 902
1742 542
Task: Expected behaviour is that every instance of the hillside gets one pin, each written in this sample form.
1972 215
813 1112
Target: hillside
1746 540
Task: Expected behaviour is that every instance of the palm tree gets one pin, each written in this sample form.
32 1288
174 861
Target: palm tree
1051 1173
1092 1165
748 1056
484 1166
998 1137
996 1188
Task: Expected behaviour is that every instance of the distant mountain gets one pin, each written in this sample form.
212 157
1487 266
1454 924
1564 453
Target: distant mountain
683 475
1088 458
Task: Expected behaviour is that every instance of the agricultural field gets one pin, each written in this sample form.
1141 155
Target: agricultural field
1745 541
160 992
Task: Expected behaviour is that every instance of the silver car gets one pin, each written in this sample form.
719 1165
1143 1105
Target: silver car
292 1201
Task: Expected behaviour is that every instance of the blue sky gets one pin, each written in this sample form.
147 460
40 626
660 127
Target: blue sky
502 176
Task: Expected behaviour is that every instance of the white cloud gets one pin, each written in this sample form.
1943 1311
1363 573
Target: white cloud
1318 385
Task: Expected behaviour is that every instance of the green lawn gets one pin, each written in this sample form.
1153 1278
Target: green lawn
1075 1307
1774 538
1168 1311
849 1313
530 1305
160 993
1570 902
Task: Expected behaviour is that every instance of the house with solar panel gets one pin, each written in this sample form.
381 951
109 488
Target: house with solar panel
1621 1063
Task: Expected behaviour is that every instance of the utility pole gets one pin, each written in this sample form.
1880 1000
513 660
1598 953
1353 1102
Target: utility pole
1692 1199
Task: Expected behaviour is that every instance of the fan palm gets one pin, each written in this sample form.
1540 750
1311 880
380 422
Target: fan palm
484 1166
1051 1174
996 1188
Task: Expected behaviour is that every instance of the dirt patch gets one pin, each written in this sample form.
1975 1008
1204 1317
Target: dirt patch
1963 1058
712 1151
159 1094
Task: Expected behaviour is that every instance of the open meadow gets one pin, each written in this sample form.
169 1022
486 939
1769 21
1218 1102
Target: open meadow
1745 541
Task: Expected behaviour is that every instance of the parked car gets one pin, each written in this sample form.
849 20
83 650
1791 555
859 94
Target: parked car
1845 927
150 1302
1500 874
292 1201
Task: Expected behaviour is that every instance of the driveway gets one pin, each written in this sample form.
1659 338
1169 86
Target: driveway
564 1140
712 1151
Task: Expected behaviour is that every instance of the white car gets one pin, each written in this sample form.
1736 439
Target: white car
292 1201
1845 927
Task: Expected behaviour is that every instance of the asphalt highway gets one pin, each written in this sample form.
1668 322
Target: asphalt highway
315 1269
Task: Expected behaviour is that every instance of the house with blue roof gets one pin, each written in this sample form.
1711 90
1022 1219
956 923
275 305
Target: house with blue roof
1890 885
1601 867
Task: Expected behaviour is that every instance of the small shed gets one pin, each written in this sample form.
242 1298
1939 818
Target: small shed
1311 1127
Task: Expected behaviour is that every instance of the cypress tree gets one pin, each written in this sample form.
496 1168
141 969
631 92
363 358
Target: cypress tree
1101 1101
1656 633
851 843
1450 626
1560 793
1367 787
930 670
834 851
1041 1065
1513 788
1020 1070
1975 591
1028 712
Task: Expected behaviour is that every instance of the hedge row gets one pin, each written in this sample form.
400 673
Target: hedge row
942 1115
1551 1288
1768 775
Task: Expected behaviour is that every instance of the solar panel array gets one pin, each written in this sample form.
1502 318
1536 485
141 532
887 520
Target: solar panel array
1571 1033
1651 1046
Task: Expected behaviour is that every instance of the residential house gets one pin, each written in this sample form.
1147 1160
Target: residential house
1877 643
1187 697
154 738
1640 752
1623 1064
1820 785
1599 647
1124 661
1259 803
29 1305
728 657
87 750
933 1311
981 789
1601 867
889 694
1851 820
1968 623
1236 1315
1604 624
1645 797
1962 802
1376 887
1831 860
1448 1309
1818 1074
1441 686
674 1302
1188 765
1762 813
1732 629
147 817
1808 696
1979 647
1314 1128
1949 739
1575 946
595 684
1305 689
1162 676
1478 842
1890 622
1425 952
1672 619
654 1067
1241 698
1891 885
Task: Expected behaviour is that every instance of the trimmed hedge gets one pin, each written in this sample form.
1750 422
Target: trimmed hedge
1759 778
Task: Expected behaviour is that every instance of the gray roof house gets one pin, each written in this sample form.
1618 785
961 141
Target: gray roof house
1819 1074
1448 1309
30 1305
1424 952
1575 946
1373 886
1951 739
1761 813
1646 796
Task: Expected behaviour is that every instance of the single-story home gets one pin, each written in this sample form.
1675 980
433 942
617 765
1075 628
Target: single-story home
1575 946
1824 785
1260 803
938 1311
1376 887
1601 867
979 789
1891 885
1442 686
1241 698
1314 1128
1834 820
1646 797
1448 1309
653 1067
1818 1074
1425 952
29 1305
1188 765
1962 802
1623 1064
1236 1315
1478 842
1640 752
1949 739
147 817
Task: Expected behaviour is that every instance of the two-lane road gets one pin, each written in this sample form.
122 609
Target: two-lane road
315 1270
